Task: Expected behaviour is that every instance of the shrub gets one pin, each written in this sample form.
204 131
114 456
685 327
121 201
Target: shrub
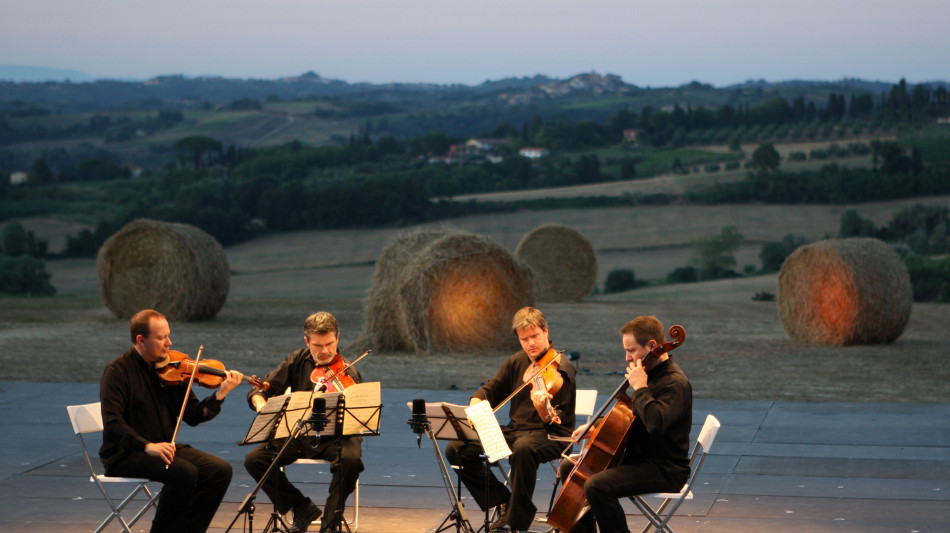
763 296
24 275
619 280
686 274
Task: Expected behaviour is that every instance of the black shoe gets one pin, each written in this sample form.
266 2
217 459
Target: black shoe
304 515
500 519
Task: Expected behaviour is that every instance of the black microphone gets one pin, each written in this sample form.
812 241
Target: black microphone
318 416
418 420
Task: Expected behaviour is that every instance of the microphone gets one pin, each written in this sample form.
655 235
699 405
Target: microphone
418 420
318 416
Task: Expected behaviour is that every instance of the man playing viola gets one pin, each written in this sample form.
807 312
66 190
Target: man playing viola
535 413
656 458
140 414
321 336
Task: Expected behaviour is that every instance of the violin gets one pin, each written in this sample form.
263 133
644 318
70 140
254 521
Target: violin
177 368
333 377
543 375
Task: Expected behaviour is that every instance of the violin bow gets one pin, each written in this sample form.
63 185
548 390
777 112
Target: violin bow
184 403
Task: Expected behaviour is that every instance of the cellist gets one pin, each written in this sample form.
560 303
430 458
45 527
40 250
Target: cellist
656 458
297 371
534 414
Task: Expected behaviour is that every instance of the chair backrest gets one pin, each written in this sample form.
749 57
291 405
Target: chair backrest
85 418
585 402
708 434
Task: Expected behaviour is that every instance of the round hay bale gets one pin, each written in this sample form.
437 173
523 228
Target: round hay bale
562 261
176 269
444 290
843 292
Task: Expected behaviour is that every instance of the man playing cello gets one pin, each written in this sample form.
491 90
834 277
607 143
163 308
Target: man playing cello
528 430
656 457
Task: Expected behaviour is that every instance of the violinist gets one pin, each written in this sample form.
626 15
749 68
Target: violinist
656 458
534 413
140 414
319 359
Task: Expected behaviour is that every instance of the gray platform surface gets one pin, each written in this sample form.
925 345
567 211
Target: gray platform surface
775 466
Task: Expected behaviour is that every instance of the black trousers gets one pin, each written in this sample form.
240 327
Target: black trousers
528 450
605 489
192 487
345 465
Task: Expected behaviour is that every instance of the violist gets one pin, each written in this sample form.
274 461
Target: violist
319 357
527 431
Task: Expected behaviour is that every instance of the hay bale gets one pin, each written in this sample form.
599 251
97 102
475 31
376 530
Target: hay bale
444 290
562 261
176 269
844 291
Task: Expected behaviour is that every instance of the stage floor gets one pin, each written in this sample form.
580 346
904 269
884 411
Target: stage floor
775 466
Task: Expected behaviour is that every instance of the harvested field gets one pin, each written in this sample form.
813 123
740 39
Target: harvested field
735 348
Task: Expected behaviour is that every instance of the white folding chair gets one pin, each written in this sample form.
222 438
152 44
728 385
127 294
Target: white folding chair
88 419
659 517
354 521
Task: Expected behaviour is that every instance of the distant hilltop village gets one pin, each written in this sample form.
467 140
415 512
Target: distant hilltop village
590 83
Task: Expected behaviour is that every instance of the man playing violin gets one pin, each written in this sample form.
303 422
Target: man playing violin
656 458
534 414
140 415
296 371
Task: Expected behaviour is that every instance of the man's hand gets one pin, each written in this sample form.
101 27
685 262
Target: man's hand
636 375
232 380
165 450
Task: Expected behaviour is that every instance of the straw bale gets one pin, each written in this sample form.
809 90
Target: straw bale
176 269
562 261
444 290
843 292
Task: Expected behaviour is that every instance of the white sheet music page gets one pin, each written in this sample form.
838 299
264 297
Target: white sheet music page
489 432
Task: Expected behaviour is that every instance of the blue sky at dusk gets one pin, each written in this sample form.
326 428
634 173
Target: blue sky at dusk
648 43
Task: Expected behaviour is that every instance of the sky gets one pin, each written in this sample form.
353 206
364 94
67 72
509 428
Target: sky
649 43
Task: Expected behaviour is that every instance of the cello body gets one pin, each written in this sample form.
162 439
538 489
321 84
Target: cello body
603 450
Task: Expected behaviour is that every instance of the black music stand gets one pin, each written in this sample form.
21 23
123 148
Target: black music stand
448 422
351 413
264 428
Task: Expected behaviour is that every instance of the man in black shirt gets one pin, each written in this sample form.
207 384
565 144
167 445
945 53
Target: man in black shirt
321 335
527 431
139 415
656 458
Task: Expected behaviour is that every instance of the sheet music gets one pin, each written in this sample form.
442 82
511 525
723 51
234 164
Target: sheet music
442 427
489 432
362 403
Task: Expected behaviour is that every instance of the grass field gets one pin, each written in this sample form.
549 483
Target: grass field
735 348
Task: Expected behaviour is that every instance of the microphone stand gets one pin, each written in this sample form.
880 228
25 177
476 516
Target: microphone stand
247 506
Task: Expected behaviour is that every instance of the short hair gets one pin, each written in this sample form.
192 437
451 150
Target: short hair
527 317
644 329
141 323
320 323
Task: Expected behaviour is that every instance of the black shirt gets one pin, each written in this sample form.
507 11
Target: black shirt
664 415
521 410
294 372
138 408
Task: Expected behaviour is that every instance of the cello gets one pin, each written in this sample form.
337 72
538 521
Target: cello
605 447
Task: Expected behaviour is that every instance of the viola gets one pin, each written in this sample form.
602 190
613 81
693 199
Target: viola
605 447
177 368
333 377
543 375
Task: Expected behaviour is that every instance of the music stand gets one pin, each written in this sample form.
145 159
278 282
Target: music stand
445 421
265 427
353 412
